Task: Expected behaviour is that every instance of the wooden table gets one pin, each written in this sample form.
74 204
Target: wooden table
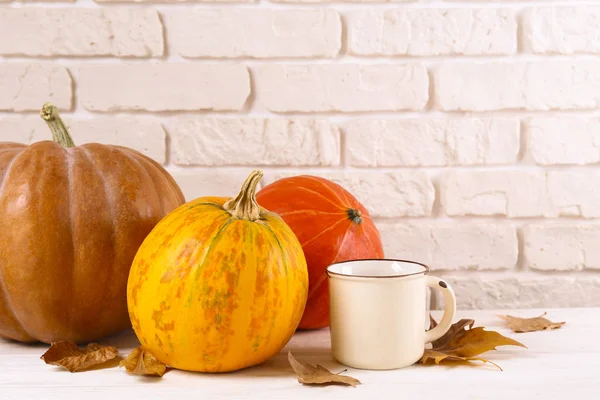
560 364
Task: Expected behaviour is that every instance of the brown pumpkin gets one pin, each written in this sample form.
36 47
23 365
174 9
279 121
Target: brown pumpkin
71 221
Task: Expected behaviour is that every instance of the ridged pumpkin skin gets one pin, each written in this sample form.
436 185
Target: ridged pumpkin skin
71 221
331 225
212 292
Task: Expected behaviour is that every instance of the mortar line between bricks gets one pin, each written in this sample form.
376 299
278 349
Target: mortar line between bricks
516 223
367 171
341 59
165 5
337 117
504 273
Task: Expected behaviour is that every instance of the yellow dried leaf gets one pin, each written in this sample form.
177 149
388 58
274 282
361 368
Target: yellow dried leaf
68 355
530 324
464 343
318 375
141 362
437 357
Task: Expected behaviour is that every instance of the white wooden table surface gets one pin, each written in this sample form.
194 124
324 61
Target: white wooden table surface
560 364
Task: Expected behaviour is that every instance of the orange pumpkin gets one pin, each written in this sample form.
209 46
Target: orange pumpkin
71 221
218 285
332 226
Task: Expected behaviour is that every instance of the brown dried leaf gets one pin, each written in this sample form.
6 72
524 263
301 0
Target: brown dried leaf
530 324
462 344
432 322
68 355
454 330
141 362
318 375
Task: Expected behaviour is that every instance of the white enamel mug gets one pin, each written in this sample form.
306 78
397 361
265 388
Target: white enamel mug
378 312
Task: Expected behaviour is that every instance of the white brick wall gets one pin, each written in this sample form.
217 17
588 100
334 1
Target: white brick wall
469 128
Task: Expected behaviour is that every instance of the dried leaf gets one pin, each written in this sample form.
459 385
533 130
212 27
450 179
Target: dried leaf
464 343
141 362
318 375
68 355
437 357
454 330
432 322
530 324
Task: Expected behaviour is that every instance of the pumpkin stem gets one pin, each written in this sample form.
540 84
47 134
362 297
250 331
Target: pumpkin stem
244 206
60 134
355 215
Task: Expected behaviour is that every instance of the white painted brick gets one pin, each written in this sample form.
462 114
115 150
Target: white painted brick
523 291
80 32
142 134
163 87
540 85
26 87
199 182
574 193
256 33
341 87
190 2
564 140
341 1
562 193
565 30
451 245
432 141
254 141
384 194
558 247
507 193
432 32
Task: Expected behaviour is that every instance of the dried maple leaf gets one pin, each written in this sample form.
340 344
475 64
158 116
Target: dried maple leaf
462 344
318 375
530 324
141 362
68 355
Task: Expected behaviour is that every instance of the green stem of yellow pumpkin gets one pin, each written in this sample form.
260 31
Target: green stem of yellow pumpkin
60 134
244 206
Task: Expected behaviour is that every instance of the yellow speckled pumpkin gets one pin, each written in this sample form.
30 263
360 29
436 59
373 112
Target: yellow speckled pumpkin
220 284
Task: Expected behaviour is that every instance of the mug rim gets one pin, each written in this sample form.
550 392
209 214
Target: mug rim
330 273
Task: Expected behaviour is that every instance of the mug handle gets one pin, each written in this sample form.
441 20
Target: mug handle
449 311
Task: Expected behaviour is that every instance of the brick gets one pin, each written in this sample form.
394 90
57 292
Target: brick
486 193
164 87
573 193
131 32
384 194
26 87
538 85
142 134
256 33
341 87
175 1
200 182
523 291
564 30
451 246
561 193
432 32
564 140
562 247
255 141
432 141
341 1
